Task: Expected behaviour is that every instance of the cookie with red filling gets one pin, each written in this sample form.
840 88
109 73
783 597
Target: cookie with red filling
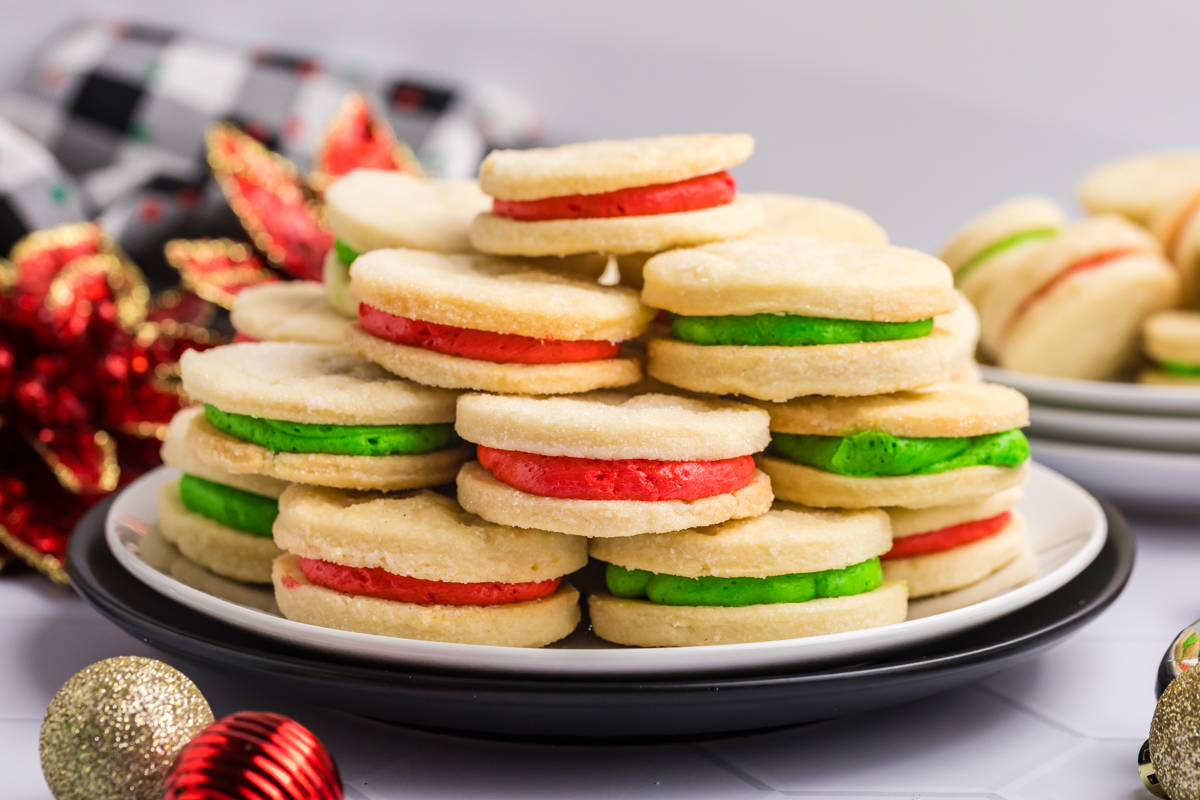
417 566
606 464
497 325
615 197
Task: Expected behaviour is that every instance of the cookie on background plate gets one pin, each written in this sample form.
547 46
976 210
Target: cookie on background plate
496 325
417 566
947 445
963 322
774 319
315 414
1176 224
788 573
1172 340
287 311
219 519
1074 307
370 209
1135 187
615 197
608 464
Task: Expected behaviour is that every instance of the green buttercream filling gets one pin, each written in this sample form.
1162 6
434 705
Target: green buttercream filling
236 508
280 436
996 248
873 454
792 330
1180 368
800 587
345 253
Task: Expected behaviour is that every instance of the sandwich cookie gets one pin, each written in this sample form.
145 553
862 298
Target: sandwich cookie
780 318
1176 224
1172 340
480 322
1075 306
286 311
311 413
987 247
615 197
1136 187
219 519
946 548
417 566
371 209
959 443
789 573
963 322
608 464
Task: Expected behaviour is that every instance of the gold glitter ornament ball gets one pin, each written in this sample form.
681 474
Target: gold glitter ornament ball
114 729
1175 737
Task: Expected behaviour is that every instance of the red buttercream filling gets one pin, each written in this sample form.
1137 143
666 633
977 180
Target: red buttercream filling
375 582
499 348
620 479
693 194
1104 259
947 538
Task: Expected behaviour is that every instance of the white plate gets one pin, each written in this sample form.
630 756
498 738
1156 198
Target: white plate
1146 479
1179 434
1066 529
1131 398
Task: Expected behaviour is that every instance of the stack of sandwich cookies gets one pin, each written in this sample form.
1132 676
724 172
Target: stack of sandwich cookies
496 325
373 209
1172 340
286 311
789 573
787 317
1137 187
417 566
607 464
218 519
615 197
1074 307
954 444
314 414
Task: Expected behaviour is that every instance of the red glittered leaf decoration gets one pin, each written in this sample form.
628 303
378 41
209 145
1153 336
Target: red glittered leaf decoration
357 139
83 460
216 269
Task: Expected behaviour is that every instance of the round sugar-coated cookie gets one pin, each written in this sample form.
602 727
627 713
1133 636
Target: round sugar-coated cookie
336 276
913 521
798 275
1021 570
419 534
383 473
791 215
785 540
950 410
1176 224
782 373
369 209
288 311
612 425
491 233
321 384
500 295
963 322
1173 336
606 166
796 483
961 566
176 454
430 368
480 493
640 623
1135 187
212 545
532 623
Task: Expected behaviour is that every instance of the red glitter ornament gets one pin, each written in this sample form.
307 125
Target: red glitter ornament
357 139
254 755
216 269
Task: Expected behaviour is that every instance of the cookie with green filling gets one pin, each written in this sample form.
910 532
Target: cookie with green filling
788 573
315 414
1172 340
957 443
778 318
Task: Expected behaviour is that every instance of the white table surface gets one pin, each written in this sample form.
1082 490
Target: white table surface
1066 724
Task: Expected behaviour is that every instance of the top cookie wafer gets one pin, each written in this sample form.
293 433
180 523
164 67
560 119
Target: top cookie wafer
611 425
952 410
992 227
369 209
606 166
287 311
789 215
1173 336
796 275
1134 187
320 384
